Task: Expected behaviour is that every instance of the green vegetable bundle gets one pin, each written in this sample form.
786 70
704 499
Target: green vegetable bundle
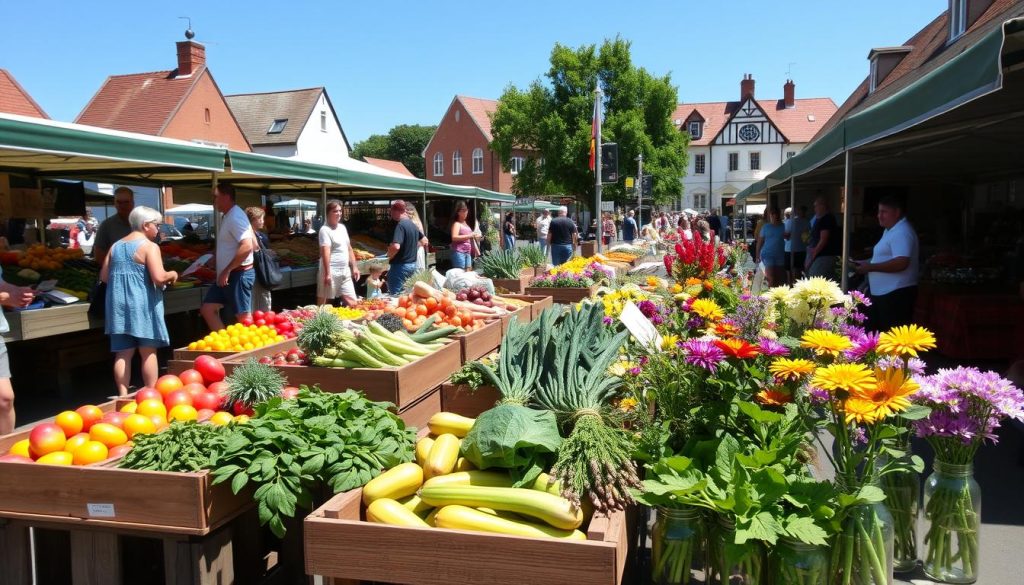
182 447
333 344
500 264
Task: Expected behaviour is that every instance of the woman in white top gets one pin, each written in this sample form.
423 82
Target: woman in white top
338 269
684 228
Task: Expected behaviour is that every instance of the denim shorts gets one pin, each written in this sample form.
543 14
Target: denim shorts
5 362
237 295
122 342
397 275
460 260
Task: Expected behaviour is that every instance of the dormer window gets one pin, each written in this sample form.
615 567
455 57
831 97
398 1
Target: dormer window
873 76
883 60
694 129
957 19
278 126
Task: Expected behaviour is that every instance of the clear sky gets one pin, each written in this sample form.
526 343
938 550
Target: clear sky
401 62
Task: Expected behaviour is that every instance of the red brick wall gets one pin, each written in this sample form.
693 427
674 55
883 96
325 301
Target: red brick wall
464 135
189 122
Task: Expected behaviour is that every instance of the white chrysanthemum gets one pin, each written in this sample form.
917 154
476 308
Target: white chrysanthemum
768 334
818 290
778 294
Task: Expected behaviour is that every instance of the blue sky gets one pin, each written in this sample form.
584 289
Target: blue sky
392 62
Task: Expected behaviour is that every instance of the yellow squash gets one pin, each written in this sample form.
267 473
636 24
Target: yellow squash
423 450
388 511
466 518
443 455
450 423
554 510
396 483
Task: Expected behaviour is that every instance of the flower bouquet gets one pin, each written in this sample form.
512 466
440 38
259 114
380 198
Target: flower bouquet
966 409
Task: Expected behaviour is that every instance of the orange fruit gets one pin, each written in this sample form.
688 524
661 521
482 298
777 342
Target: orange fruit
70 422
76 441
168 383
152 407
91 414
108 434
20 448
90 452
137 423
56 458
183 412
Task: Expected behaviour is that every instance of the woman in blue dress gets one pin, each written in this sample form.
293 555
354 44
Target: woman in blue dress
135 277
771 248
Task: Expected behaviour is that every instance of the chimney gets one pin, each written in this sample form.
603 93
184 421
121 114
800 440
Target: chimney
789 93
747 87
191 57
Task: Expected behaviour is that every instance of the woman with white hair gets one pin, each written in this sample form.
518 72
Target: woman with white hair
135 277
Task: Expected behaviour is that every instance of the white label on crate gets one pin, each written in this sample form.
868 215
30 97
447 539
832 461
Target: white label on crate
100 510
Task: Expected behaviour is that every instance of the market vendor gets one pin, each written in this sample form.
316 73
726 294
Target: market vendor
893 270
234 262
116 226
402 251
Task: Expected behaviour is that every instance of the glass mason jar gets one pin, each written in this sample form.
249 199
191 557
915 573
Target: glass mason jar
902 497
863 549
734 564
794 562
952 514
677 545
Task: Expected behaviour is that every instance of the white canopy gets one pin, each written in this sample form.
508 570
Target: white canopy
190 209
295 204
689 211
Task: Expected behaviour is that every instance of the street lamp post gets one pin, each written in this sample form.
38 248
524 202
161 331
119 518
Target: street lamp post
598 94
640 191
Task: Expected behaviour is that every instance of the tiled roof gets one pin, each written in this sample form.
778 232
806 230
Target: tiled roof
929 51
798 124
480 110
256 113
138 102
15 100
391 165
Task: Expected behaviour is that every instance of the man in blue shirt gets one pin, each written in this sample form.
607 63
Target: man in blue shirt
629 228
402 251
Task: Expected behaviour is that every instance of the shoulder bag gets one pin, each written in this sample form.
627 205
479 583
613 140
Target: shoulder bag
268 272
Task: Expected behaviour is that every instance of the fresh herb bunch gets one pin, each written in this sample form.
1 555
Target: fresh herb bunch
293 448
533 256
252 383
468 376
505 264
318 332
182 447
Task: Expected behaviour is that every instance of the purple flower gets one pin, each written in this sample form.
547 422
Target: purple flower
634 371
648 308
967 406
643 360
859 436
695 323
818 395
860 298
703 353
771 348
607 320
863 344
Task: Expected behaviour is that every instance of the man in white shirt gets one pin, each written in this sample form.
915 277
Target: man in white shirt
235 274
542 224
893 270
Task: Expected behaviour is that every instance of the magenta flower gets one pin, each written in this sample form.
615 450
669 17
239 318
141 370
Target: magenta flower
703 354
863 344
771 348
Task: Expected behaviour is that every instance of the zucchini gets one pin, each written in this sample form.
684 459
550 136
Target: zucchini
443 455
554 510
388 511
396 483
471 478
428 336
423 450
466 518
427 324
449 422
463 464
416 505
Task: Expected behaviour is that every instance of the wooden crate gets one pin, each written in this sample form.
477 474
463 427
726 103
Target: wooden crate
516 285
184 299
459 398
46 322
528 313
401 386
183 357
480 342
302 277
565 296
339 544
418 413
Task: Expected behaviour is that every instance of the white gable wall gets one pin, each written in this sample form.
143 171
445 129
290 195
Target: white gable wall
319 146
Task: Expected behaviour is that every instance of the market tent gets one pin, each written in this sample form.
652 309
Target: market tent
190 209
534 206
295 204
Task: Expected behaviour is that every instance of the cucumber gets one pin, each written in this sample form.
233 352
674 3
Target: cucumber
427 324
428 336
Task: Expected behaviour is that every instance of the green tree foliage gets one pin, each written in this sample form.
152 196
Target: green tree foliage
404 143
552 117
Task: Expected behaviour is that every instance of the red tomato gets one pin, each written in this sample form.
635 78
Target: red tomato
115 418
148 394
91 415
45 438
269 316
177 397
168 383
260 322
258 315
247 321
280 318
191 376
204 414
211 369
289 392
194 390
207 401
240 408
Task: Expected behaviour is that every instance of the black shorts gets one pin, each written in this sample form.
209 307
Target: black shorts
796 259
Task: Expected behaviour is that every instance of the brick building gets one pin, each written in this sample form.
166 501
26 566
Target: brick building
15 100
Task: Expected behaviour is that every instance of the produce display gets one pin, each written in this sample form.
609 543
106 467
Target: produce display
426 301
501 263
183 447
291 357
40 258
333 343
239 337
296 252
74 274
179 255
280 322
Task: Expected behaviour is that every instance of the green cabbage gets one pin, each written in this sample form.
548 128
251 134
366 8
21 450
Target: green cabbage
513 437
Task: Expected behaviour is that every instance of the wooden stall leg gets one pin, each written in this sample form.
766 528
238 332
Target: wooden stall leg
200 561
15 554
95 558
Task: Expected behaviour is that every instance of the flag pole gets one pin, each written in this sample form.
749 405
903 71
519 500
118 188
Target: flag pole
597 165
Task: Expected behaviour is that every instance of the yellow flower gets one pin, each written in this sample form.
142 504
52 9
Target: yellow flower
708 309
628 404
774 397
860 411
676 288
890 392
906 340
854 378
791 369
620 368
668 342
653 281
825 342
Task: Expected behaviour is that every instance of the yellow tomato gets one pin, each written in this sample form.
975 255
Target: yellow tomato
130 408
221 418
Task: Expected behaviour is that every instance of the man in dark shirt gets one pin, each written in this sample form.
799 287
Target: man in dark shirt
116 226
825 245
715 223
402 251
562 236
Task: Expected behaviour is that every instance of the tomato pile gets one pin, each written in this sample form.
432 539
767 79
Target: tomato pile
414 310
292 357
280 322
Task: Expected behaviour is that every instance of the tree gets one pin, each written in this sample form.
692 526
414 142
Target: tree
553 119
403 143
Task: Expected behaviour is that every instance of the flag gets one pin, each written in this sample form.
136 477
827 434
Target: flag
595 132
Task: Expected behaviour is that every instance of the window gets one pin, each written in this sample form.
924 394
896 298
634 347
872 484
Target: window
278 126
734 161
206 115
698 164
957 18
439 165
873 76
516 164
478 161
695 129
323 121
755 161
457 162
700 200
790 154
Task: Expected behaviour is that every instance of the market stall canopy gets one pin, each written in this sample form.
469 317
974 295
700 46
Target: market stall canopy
295 204
190 209
534 206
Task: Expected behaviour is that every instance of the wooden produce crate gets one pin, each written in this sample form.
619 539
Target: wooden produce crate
418 413
480 342
516 285
401 386
565 296
38 323
528 313
459 398
183 357
302 277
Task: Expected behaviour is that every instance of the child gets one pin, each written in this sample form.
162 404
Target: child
374 282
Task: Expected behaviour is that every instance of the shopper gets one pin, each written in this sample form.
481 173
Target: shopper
629 228
562 237
796 243
421 251
116 226
825 245
18 297
770 249
893 270
374 281
684 228
542 225
608 229
261 300
463 238
235 274
402 251
135 277
508 231
338 271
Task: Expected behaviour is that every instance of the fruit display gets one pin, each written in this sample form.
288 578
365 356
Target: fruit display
445 307
296 252
292 357
40 258
349 314
280 322
179 255
238 337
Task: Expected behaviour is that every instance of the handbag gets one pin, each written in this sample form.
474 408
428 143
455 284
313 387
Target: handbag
268 272
98 300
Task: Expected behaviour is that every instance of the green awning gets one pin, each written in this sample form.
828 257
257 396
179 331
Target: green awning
273 167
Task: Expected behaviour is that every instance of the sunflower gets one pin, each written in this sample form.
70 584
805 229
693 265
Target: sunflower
890 392
791 369
860 411
825 342
708 309
906 340
668 342
854 378
737 348
774 397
